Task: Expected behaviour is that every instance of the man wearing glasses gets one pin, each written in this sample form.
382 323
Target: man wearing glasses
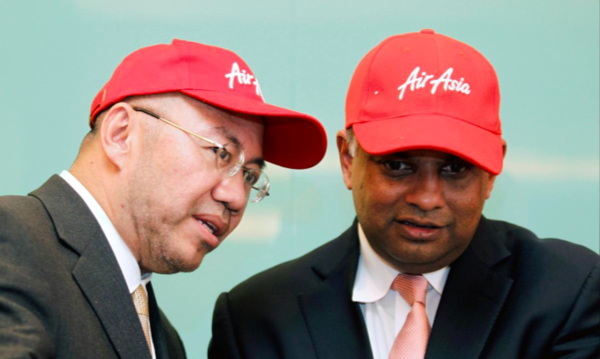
179 139
420 273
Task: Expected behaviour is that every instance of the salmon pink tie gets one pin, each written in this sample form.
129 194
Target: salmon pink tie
411 341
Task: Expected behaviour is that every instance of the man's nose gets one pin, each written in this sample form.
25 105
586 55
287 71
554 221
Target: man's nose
232 192
426 192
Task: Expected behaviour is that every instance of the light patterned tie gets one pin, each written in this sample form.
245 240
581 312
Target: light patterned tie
411 341
140 299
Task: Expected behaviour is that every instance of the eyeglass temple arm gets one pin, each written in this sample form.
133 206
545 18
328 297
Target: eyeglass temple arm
179 127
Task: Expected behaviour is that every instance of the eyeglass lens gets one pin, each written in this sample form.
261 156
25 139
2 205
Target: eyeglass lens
230 160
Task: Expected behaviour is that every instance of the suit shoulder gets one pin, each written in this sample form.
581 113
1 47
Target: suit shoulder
293 275
15 204
20 213
548 251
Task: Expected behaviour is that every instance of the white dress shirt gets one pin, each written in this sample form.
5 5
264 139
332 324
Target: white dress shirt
384 309
127 262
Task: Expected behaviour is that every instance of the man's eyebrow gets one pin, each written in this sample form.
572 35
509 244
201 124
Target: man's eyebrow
229 136
260 162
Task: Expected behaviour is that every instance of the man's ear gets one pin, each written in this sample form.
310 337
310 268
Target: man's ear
345 158
116 134
490 187
492 178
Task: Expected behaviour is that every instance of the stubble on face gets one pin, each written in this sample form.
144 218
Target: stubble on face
172 183
384 202
150 228
147 198
157 233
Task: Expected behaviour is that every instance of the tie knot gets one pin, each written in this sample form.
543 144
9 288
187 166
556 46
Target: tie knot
140 300
413 288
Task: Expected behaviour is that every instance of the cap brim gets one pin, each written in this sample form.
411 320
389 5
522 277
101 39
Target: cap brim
291 139
434 132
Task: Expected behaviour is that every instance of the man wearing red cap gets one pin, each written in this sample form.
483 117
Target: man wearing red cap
180 135
421 273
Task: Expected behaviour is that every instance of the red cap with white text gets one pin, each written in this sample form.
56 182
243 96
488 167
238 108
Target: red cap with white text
427 91
220 78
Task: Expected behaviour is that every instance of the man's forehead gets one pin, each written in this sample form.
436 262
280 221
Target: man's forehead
180 104
233 139
421 153
229 117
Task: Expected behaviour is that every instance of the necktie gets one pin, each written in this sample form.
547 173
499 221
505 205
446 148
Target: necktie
140 300
411 341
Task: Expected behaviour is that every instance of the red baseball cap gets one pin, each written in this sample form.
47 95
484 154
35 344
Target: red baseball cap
220 78
427 91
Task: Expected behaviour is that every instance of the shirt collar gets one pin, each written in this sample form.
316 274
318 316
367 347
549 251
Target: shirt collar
127 262
374 276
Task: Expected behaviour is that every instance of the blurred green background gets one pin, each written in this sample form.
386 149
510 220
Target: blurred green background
56 55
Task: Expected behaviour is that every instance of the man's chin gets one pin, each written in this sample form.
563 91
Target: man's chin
172 265
189 266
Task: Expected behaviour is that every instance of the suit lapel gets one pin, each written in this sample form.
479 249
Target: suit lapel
473 297
336 323
97 272
106 291
160 341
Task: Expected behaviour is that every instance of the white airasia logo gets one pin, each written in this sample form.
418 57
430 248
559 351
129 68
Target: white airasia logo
243 78
417 82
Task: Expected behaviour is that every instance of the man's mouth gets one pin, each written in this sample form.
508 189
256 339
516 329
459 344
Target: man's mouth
211 227
419 225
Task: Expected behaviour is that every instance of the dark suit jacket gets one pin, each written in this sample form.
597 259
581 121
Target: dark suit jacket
62 293
510 295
